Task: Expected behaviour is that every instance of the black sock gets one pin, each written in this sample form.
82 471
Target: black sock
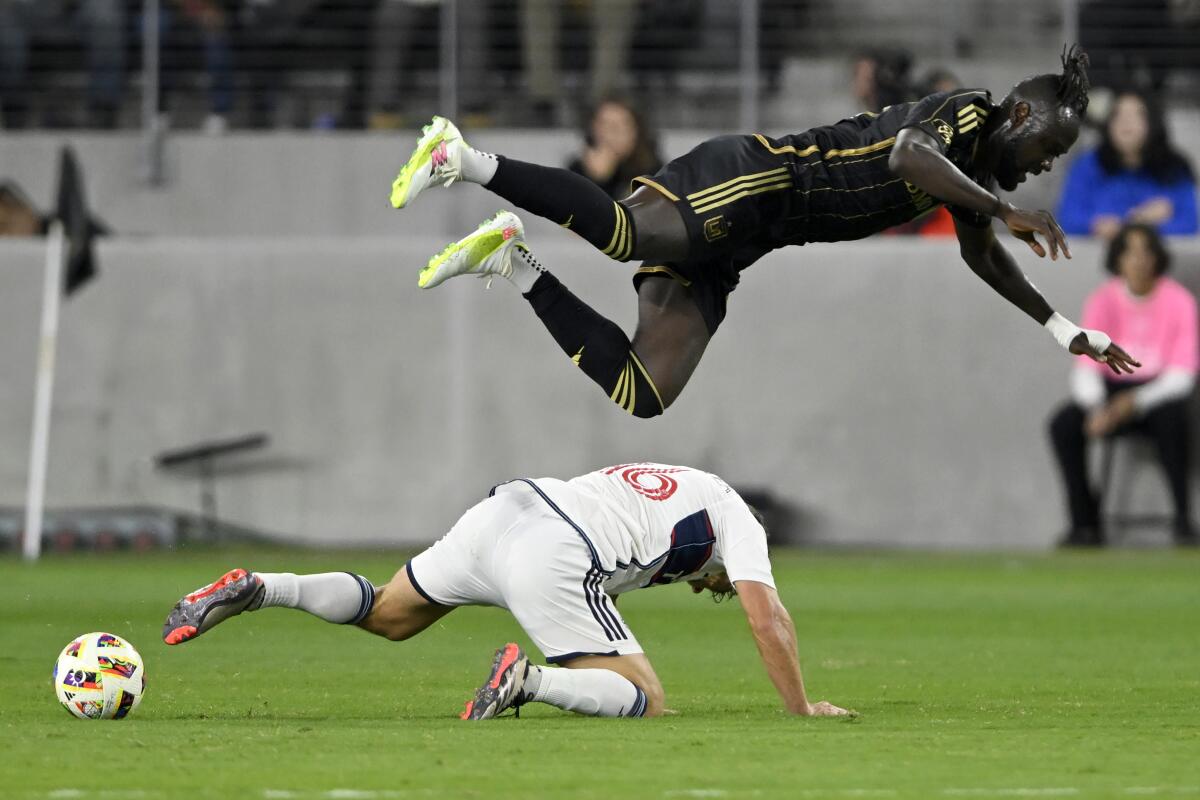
569 200
596 345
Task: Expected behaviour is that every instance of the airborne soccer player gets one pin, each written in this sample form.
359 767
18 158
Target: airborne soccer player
711 213
556 554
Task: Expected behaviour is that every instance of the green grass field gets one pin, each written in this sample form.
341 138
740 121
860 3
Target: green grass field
1073 675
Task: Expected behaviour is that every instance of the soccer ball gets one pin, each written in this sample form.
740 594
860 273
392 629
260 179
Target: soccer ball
99 676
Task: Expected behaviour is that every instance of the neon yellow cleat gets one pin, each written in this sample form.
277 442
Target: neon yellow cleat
437 159
486 252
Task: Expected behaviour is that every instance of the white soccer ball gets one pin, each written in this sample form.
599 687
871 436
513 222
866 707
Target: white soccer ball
99 676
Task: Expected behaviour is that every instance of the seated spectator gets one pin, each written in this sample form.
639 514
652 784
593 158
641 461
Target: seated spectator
1134 176
1155 317
619 147
100 25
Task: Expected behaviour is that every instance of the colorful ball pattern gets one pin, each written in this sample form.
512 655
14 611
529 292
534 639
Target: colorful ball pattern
99 676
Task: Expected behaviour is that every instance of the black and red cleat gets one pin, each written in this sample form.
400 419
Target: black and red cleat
205 608
503 688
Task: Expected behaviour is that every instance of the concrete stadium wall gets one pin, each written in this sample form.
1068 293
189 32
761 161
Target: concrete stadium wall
878 385
291 184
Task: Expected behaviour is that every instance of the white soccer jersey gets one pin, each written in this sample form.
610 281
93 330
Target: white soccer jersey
648 523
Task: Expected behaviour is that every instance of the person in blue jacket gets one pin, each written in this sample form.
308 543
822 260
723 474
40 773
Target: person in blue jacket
1135 175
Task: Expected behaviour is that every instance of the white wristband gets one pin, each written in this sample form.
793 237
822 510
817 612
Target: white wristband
1064 332
1062 329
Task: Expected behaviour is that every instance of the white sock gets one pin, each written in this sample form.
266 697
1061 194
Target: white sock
478 166
333 596
526 269
595 692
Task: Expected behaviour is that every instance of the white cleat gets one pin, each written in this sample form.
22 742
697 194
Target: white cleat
437 159
486 252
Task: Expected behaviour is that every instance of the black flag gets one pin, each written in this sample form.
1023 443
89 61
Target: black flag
78 225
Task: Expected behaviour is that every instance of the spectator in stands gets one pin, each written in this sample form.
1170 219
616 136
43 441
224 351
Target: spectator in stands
1135 175
881 78
1156 318
203 26
612 32
398 29
99 25
619 147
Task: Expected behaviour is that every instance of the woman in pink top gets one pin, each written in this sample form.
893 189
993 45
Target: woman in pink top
1155 317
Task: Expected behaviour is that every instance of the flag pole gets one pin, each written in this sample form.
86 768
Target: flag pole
35 497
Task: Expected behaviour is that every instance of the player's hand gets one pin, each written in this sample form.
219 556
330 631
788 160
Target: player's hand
1114 356
826 709
1028 225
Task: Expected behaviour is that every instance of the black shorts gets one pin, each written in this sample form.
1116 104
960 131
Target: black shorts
728 191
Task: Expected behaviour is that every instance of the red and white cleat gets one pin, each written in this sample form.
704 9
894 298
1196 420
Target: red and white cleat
503 688
205 608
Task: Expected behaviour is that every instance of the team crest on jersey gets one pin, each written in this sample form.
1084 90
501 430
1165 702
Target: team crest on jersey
715 228
648 480
946 132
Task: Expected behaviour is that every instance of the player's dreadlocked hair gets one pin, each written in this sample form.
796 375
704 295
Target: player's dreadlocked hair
1073 84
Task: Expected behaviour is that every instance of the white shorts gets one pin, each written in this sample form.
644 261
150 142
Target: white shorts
514 551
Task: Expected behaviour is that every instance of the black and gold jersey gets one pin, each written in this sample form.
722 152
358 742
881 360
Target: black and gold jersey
843 188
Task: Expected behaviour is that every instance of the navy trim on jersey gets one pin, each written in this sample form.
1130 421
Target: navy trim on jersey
692 541
597 602
413 580
576 654
591 547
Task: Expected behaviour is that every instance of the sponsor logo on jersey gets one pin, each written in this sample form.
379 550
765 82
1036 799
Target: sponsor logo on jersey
649 480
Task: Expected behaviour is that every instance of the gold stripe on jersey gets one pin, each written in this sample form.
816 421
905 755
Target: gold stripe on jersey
859 189
721 188
787 148
663 269
948 99
653 184
721 197
858 151
808 151
774 187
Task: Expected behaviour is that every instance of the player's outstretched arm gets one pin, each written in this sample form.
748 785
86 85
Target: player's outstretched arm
988 259
776 639
917 159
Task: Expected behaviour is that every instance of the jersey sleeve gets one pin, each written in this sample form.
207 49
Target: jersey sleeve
955 121
742 543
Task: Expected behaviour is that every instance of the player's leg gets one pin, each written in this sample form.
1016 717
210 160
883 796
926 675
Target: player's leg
643 376
449 577
649 227
573 683
338 597
552 586
400 611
